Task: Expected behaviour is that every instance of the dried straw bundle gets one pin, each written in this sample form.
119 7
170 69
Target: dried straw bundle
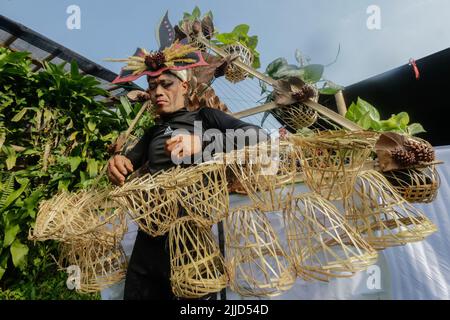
332 159
100 265
321 243
415 185
256 261
87 214
234 73
197 266
382 216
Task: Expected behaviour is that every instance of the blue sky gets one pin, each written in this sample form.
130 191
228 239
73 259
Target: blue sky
409 28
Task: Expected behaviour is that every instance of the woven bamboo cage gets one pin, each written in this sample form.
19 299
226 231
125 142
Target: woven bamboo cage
332 159
266 171
382 216
234 73
202 190
152 206
415 185
321 243
256 261
99 266
297 116
86 214
197 266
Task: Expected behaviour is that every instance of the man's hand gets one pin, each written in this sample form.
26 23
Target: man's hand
183 145
118 168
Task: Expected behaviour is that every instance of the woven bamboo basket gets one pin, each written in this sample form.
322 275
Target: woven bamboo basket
266 172
332 159
297 116
100 266
197 266
382 216
202 190
321 243
415 185
86 214
256 261
233 73
149 203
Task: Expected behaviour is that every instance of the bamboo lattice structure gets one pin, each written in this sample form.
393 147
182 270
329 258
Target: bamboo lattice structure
100 265
197 266
297 116
233 73
332 159
266 172
202 191
152 206
256 261
321 243
415 185
382 216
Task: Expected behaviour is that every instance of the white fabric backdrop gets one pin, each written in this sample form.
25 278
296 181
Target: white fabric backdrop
415 271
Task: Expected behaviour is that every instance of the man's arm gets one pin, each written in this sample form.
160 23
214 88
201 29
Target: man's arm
122 165
236 133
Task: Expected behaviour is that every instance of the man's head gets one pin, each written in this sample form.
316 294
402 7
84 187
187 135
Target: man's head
168 91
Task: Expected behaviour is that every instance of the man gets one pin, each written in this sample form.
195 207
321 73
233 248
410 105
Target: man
148 275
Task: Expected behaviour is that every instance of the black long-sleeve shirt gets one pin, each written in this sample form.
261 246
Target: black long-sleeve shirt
150 150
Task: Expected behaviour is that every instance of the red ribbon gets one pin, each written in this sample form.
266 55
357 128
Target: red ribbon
412 63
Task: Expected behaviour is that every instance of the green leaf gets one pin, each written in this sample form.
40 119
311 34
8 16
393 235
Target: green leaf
92 167
415 128
288 70
365 121
31 202
196 12
329 91
275 65
227 38
19 252
402 119
91 125
241 30
19 115
74 69
74 163
11 156
14 195
10 235
252 42
313 73
3 263
367 107
73 136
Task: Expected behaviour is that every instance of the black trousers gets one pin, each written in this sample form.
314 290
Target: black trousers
148 274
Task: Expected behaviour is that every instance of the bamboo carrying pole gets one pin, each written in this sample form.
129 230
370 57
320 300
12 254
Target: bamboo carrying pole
339 119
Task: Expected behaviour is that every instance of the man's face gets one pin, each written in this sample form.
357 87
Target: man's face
167 93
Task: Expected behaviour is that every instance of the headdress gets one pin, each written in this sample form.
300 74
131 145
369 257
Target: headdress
173 55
